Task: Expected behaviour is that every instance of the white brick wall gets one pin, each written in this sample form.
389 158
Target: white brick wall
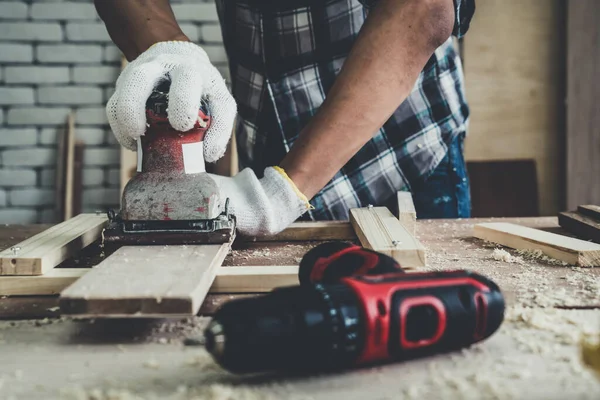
56 57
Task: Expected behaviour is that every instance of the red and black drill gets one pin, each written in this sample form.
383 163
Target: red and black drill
362 311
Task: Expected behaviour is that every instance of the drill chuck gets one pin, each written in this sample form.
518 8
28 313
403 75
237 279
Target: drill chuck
360 320
289 329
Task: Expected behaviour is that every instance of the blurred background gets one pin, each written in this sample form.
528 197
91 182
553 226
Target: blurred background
530 151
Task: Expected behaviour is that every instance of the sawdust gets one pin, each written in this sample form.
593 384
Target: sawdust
274 253
538 255
503 255
553 334
208 392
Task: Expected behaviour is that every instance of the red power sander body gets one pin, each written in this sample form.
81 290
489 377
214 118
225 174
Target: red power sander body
171 200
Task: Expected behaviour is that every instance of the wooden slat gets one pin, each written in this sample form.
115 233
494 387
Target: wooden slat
379 230
51 283
60 173
69 167
78 178
254 279
590 210
580 225
406 212
246 279
306 231
146 281
570 250
44 251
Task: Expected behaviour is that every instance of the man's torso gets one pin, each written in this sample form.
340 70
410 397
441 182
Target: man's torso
284 57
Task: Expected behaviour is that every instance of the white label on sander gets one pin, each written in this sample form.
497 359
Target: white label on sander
193 157
139 154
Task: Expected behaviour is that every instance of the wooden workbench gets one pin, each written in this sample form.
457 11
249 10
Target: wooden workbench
534 355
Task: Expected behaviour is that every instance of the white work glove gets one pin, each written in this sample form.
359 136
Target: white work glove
263 206
192 78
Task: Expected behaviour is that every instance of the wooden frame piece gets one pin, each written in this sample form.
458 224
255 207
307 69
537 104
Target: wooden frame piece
310 231
406 212
254 279
146 282
590 211
44 251
580 225
51 283
570 250
379 230
246 279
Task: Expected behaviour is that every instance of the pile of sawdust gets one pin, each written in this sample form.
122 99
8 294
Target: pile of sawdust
503 255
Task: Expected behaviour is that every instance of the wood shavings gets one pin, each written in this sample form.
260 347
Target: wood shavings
538 255
503 255
182 392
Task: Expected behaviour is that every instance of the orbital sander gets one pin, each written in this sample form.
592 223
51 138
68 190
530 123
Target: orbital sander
171 199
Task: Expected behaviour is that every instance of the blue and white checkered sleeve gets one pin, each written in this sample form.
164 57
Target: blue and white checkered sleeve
464 10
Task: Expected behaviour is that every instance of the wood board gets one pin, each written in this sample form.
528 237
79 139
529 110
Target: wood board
590 210
70 168
570 250
254 279
307 231
145 282
580 225
44 251
247 279
379 230
51 283
406 212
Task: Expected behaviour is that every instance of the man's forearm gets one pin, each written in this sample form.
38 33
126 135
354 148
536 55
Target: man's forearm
135 25
394 45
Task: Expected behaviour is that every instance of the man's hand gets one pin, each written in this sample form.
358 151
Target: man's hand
149 36
262 206
192 78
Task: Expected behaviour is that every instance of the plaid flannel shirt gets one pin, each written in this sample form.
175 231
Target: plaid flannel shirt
284 56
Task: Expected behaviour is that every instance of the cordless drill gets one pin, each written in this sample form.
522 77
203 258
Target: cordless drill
359 320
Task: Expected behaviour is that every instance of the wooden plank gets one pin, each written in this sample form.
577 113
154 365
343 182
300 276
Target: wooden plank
307 231
51 283
406 212
146 282
583 100
590 211
379 230
570 250
69 167
78 178
247 279
580 225
44 251
254 279
59 176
